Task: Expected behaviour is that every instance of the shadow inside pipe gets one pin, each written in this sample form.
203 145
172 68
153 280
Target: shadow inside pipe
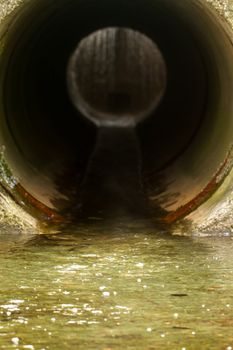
112 185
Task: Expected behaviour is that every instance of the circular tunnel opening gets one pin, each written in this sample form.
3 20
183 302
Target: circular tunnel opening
48 143
116 77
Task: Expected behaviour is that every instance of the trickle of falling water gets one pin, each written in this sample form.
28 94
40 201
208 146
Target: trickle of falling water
116 78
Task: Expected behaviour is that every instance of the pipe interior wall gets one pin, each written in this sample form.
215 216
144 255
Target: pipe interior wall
48 144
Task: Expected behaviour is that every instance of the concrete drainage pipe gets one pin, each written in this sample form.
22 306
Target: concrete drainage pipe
184 144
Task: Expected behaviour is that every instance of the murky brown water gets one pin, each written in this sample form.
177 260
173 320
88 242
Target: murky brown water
122 286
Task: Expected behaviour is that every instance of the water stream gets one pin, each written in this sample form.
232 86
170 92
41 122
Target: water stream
115 286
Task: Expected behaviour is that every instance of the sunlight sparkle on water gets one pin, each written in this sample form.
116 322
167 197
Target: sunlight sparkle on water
114 291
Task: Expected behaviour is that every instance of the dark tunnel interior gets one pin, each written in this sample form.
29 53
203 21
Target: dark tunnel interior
43 128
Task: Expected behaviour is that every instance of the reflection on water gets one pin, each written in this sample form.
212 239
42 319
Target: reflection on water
112 287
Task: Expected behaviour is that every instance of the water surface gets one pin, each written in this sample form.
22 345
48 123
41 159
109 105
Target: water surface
115 286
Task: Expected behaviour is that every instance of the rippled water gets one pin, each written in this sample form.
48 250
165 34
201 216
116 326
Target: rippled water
119 286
